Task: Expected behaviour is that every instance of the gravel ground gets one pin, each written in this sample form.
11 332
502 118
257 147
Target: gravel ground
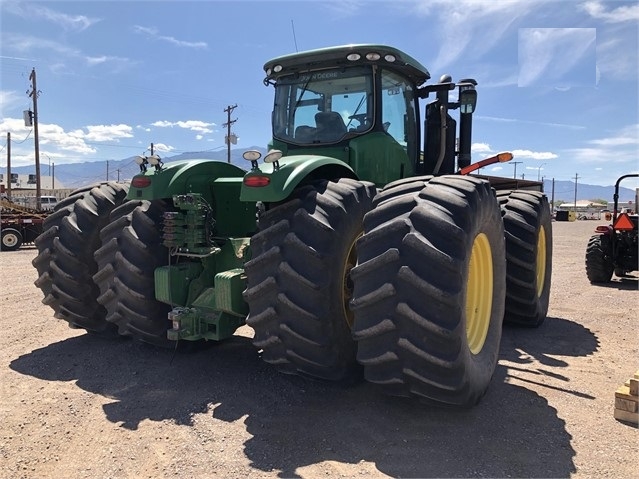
77 406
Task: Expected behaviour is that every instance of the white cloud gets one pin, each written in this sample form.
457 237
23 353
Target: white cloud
535 155
199 137
10 100
16 126
613 60
54 136
462 21
481 148
162 147
64 20
193 125
628 135
153 33
30 44
625 13
548 55
108 132
621 147
49 134
116 63
344 8
529 122
96 60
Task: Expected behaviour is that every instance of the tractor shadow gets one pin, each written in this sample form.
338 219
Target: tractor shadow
296 422
535 355
626 283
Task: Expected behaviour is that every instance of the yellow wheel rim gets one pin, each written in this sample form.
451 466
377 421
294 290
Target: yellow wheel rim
347 283
541 261
479 293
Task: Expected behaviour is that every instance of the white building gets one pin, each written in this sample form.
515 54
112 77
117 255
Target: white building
25 185
20 181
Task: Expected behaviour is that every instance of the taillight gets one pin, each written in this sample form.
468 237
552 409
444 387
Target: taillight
140 181
257 181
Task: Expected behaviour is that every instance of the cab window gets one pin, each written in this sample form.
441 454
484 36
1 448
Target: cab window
323 107
398 110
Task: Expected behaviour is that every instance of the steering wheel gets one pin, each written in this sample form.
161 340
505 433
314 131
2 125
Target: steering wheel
360 117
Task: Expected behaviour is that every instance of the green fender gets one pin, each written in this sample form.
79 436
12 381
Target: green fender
188 176
292 171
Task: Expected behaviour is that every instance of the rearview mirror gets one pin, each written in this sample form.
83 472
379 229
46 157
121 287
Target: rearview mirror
467 99
467 96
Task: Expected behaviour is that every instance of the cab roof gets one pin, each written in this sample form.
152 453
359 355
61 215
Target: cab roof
336 56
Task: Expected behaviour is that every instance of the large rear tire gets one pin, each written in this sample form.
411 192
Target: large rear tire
599 264
131 251
429 289
528 230
299 279
65 263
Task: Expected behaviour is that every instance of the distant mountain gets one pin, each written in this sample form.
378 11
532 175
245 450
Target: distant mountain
219 155
565 191
81 174
76 175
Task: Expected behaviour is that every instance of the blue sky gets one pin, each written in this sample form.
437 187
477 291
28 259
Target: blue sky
557 79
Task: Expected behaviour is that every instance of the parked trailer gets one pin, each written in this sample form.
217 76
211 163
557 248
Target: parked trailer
19 225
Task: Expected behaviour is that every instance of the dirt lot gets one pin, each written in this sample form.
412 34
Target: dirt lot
76 406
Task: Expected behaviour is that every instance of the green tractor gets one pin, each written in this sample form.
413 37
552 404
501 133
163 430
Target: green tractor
375 248
359 242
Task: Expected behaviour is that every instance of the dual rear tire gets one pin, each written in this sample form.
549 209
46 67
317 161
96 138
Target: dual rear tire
96 260
441 263
528 230
131 249
65 261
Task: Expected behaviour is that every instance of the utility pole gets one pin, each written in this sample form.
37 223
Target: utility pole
9 165
151 149
552 201
515 163
228 124
107 178
575 207
34 95
53 179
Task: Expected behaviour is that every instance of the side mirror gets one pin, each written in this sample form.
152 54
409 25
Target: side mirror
467 99
467 96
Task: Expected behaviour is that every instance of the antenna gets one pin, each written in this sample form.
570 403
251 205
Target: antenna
294 38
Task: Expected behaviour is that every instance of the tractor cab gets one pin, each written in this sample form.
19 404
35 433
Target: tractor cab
360 104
